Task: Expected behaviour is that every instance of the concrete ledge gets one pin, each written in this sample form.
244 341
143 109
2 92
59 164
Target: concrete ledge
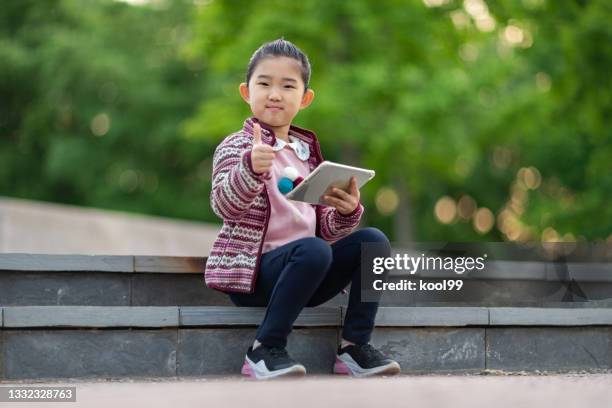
169 352
91 288
169 264
101 263
43 262
158 353
496 269
528 316
231 316
252 316
89 316
549 348
135 343
90 353
60 288
590 272
430 316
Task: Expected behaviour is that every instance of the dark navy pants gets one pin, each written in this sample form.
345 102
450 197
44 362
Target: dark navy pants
308 272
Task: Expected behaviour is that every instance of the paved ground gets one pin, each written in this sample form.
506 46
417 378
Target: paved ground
492 391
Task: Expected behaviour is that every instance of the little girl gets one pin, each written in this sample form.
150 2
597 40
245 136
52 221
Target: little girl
282 254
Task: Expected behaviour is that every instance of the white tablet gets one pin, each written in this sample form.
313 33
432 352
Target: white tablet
326 176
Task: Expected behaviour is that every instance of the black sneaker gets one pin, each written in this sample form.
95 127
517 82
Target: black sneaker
363 360
268 362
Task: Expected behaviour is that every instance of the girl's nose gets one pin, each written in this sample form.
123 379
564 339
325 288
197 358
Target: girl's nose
274 95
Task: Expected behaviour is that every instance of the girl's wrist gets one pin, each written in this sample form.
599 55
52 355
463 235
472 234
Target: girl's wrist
249 164
352 212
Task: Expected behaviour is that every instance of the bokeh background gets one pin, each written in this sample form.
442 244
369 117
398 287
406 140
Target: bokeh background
484 120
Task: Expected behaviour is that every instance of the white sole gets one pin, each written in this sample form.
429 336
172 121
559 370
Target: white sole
353 369
260 372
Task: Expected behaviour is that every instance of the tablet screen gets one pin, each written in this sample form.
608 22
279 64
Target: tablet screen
325 177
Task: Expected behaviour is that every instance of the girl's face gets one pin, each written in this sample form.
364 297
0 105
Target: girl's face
276 91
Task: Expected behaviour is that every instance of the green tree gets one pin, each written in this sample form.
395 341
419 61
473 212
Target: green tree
459 99
483 120
94 94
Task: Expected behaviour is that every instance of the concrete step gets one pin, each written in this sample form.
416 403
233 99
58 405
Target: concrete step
39 279
97 280
38 342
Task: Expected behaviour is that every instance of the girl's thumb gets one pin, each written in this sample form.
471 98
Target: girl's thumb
257 133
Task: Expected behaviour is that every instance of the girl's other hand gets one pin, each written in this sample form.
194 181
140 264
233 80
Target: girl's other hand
262 154
345 203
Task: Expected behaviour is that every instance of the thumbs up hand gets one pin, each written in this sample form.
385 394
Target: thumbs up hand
262 154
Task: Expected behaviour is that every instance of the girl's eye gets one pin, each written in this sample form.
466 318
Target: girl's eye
289 86
262 83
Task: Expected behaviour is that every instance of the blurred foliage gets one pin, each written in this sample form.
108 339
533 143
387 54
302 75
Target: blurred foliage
93 95
501 106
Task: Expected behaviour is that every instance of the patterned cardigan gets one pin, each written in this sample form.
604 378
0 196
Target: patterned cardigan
240 199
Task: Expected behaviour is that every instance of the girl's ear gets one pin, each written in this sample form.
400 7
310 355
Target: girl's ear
307 98
244 92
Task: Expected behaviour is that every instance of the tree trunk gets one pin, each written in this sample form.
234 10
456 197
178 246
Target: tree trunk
403 228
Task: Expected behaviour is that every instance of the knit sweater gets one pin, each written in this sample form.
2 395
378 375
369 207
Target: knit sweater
239 197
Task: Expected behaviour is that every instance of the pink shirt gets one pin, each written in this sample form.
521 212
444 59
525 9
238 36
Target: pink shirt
289 220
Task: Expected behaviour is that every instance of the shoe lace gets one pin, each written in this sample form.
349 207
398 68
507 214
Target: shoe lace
278 352
371 352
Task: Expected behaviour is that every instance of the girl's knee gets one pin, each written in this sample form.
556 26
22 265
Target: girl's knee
316 252
376 236
371 234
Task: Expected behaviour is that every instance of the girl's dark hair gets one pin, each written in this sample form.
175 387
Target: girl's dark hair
280 48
